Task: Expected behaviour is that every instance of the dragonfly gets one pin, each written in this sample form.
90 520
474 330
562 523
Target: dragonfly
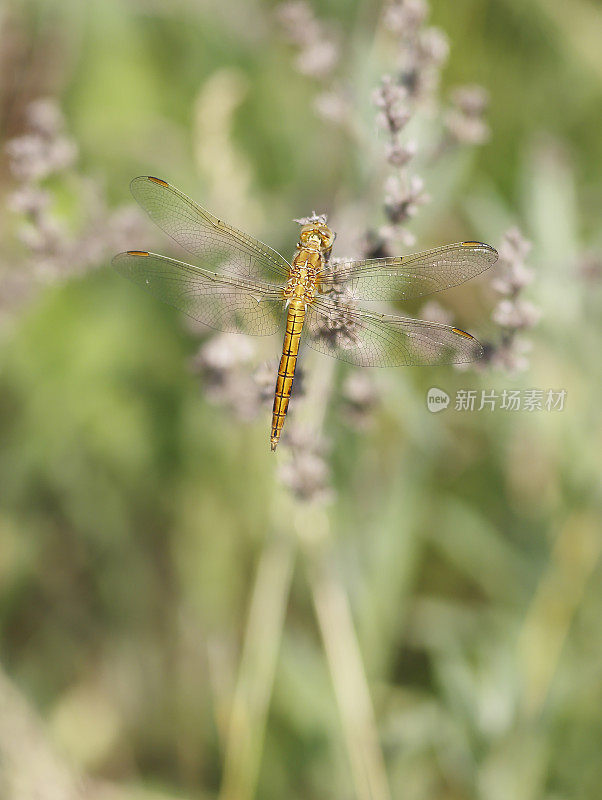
244 286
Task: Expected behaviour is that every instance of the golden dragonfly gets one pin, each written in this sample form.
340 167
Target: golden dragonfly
244 286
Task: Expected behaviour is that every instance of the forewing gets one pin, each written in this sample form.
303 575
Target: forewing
411 276
236 305
368 339
221 247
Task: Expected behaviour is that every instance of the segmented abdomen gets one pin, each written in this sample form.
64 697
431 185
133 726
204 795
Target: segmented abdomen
286 370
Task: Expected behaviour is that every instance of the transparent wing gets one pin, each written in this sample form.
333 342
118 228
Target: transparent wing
222 247
236 305
413 275
368 339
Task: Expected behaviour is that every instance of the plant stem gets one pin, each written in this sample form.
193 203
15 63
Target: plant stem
574 557
335 620
309 523
257 668
348 678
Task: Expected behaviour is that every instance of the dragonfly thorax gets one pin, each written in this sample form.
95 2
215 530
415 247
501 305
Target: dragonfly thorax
307 265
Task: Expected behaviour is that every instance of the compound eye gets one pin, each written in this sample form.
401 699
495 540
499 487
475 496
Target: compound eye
306 232
327 238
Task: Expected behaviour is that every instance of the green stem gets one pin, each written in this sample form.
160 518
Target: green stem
257 668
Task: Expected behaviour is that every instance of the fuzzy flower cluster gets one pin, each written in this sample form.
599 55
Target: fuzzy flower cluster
513 314
45 148
318 56
318 51
421 52
306 473
313 218
464 121
339 329
404 194
52 250
360 398
225 364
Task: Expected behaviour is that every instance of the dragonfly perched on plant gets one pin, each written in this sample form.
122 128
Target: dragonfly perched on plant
244 286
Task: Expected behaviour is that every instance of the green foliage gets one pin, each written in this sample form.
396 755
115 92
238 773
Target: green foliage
133 512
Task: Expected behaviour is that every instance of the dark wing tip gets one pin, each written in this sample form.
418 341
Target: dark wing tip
145 178
491 250
118 260
160 181
120 256
460 332
477 244
476 348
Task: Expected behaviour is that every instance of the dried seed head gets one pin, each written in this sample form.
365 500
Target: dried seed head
223 362
517 314
472 100
464 120
318 59
339 328
318 47
360 398
403 196
45 118
318 219
398 155
512 355
29 200
514 247
513 313
392 101
511 274
307 473
404 17
433 48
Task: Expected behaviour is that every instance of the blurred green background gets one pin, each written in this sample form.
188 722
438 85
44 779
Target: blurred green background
134 512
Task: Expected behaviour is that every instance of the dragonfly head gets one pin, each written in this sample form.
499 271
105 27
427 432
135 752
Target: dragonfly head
318 235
